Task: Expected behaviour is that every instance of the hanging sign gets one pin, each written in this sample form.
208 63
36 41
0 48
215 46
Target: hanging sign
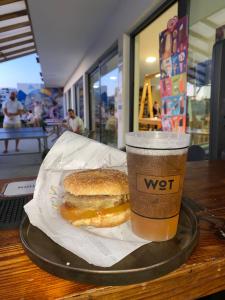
173 50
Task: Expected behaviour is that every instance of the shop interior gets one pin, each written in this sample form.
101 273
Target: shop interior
205 27
147 72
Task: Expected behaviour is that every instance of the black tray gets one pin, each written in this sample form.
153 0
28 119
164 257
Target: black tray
147 262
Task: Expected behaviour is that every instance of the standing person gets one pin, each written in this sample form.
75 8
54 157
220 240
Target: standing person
37 114
54 110
156 110
12 109
74 123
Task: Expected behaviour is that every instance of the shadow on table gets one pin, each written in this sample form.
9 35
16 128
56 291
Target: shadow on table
216 296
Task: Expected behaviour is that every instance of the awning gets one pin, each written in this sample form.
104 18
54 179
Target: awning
16 36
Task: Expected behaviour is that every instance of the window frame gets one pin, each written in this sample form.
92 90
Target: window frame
104 58
183 9
76 100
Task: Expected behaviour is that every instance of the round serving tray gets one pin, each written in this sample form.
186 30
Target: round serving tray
147 262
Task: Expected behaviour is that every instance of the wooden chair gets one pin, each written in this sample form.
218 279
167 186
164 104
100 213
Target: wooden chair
195 153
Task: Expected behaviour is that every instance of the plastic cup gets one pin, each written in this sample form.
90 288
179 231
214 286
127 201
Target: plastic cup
156 166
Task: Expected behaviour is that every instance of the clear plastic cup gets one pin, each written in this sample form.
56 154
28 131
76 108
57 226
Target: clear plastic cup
156 166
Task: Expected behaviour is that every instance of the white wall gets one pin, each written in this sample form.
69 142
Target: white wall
129 14
197 11
125 19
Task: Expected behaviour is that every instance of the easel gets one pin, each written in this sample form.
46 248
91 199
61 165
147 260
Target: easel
147 89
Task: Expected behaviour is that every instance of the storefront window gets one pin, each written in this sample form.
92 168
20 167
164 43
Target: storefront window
147 73
75 98
65 104
69 99
79 96
94 89
206 17
103 101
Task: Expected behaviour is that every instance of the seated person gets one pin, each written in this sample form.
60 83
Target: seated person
30 118
111 123
23 118
73 122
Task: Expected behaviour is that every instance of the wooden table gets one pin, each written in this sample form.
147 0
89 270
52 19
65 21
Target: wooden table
202 274
30 133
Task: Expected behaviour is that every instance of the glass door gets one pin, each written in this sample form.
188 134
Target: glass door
103 89
69 99
75 98
147 72
95 103
79 95
206 26
109 94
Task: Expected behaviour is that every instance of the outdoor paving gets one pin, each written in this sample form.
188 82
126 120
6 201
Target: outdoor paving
25 164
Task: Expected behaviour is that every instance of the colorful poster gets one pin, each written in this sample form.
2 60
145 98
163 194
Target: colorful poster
173 48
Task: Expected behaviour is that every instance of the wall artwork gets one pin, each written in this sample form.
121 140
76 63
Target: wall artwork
173 50
50 99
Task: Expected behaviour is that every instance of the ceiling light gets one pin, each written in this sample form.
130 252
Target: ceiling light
113 77
157 75
150 59
96 86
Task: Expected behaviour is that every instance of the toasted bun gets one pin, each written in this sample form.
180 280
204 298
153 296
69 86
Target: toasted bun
97 182
106 218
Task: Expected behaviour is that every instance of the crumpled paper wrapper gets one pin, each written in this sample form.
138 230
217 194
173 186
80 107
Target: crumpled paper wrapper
98 246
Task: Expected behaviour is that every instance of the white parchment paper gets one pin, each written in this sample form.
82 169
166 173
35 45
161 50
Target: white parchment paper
98 246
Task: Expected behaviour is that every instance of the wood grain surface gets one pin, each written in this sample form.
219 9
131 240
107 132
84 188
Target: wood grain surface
202 274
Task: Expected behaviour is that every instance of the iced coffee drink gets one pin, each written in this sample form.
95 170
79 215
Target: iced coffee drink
156 166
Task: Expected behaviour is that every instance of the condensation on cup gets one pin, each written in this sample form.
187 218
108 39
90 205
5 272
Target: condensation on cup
156 166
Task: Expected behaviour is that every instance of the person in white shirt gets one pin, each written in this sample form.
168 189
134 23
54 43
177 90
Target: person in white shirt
12 110
74 123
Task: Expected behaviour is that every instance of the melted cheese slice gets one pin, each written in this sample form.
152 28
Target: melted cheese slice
74 214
